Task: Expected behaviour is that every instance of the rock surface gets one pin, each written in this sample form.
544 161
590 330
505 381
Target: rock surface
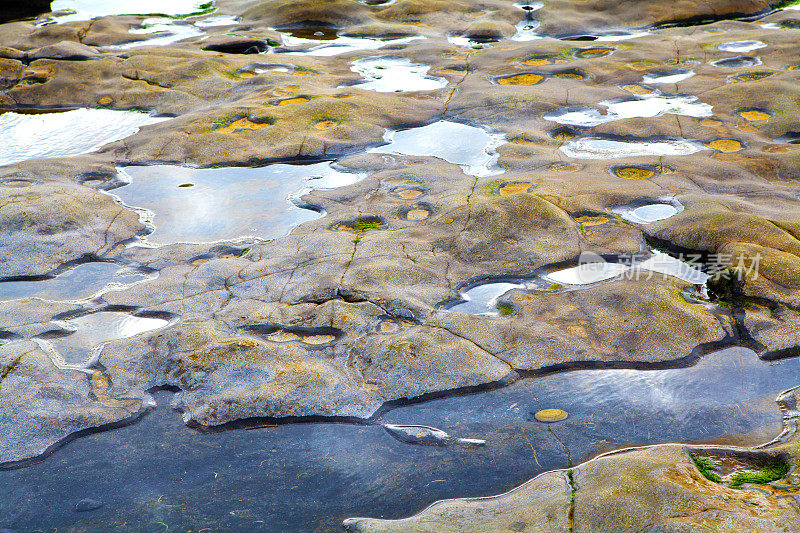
348 312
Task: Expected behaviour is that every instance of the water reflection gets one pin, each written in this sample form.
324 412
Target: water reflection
66 133
395 74
89 9
183 204
308 477
78 349
638 106
472 148
80 282
611 148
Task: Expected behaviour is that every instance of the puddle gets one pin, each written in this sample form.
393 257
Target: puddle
217 20
395 74
89 9
588 273
647 212
741 47
608 148
66 133
750 76
183 204
667 265
482 299
607 36
470 42
526 29
649 105
485 297
78 283
737 62
668 76
166 31
333 45
317 474
79 349
472 148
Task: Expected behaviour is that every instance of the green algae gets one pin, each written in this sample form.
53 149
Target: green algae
707 467
776 469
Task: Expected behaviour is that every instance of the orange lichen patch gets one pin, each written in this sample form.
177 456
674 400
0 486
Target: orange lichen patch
755 115
409 194
418 214
592 53
325 125
793 67
241 124
245 74
566 167
292 87
514 188
388 326
633 173
293 100
750 76
537 61
641 65
589 221
525 78
282 336
571 74
725 145
105 100
316 340
634 88
100 386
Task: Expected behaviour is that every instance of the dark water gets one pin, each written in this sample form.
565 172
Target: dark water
159 475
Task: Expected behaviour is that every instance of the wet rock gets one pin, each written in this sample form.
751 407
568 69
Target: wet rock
87 504
238 46
635 483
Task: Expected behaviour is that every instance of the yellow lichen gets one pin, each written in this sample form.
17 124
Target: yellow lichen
725 145
754 115
551 415
515 188
241 124
526 78
633 173
294 100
